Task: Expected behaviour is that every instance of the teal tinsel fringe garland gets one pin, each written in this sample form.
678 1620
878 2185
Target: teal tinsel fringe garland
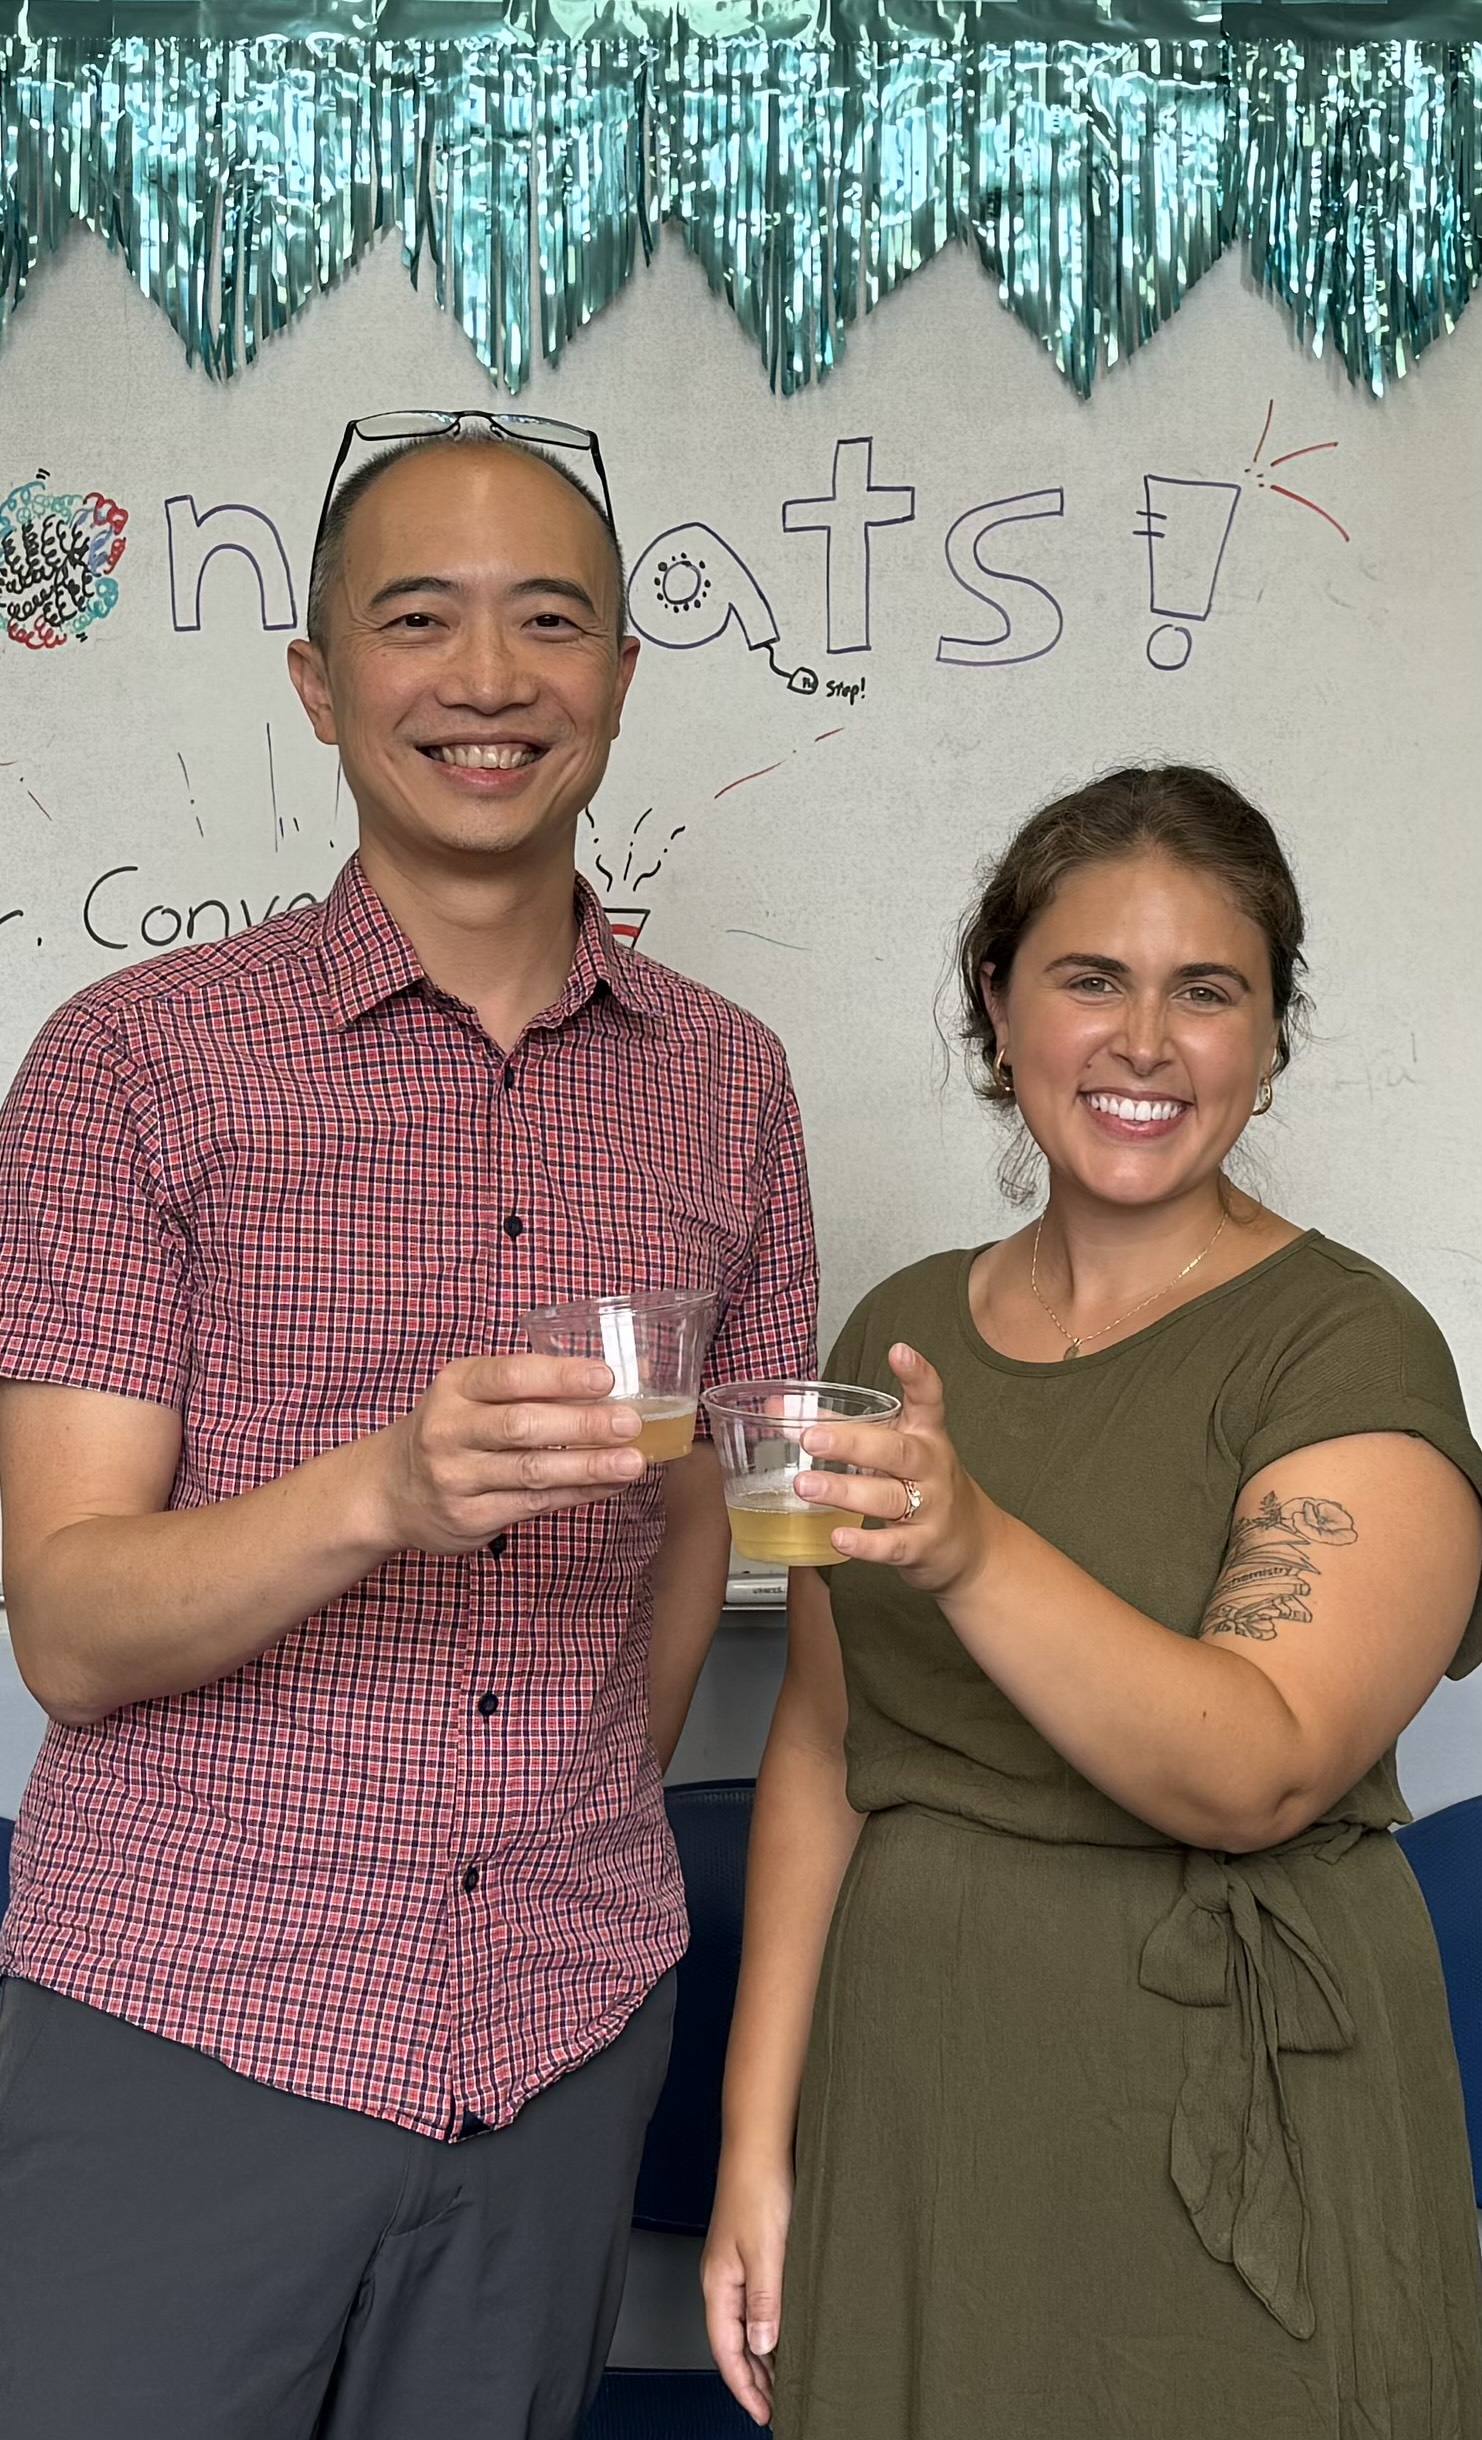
811 169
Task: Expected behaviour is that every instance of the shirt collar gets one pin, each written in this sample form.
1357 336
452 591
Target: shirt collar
599 964
368 958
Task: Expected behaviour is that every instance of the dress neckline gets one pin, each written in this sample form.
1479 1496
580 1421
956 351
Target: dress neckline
1056 1366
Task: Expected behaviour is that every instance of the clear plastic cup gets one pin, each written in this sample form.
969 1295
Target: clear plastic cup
758 1429
654 1344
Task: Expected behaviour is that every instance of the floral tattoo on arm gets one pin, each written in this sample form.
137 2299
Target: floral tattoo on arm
1269 1567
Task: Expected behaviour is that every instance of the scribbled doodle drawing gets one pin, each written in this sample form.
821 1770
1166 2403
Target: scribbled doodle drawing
185 775
627 920
1187 525
690 585
196 536
58 551
623 877
847 515
682 584
1030 619
1262 469
28 792
280 834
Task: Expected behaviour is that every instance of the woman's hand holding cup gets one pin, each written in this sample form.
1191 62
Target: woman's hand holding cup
934 1523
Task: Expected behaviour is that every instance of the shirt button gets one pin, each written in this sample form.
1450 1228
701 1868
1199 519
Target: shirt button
499 1546
514 1226
471 1879
488 1705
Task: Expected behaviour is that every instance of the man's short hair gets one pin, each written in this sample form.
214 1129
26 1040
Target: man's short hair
330 554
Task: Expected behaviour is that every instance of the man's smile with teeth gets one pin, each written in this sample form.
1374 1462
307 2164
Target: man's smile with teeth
497 756
1135 1113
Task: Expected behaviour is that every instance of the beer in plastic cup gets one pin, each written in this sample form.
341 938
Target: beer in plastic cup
653 1342
758 1429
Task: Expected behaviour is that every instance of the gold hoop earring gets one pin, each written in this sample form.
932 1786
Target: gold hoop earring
1002 1074
1264 1098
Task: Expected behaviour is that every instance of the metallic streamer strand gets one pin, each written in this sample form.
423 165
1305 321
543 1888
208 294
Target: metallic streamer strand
813 154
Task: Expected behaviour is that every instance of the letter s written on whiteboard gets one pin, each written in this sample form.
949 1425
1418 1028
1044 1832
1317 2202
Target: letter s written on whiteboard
1030 620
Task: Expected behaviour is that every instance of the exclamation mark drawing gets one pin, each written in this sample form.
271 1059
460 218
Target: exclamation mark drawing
1186 526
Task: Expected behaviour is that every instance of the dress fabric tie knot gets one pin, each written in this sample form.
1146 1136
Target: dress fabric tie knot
1239 1950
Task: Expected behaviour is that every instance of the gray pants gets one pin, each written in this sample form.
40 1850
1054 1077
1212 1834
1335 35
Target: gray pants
187 2255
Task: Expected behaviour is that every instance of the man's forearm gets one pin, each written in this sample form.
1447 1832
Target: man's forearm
112 1610
115 1598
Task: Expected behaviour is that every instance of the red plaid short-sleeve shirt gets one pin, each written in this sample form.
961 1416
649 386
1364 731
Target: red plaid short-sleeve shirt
412 1860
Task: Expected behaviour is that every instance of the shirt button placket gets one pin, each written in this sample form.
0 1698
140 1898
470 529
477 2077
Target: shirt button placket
506 1299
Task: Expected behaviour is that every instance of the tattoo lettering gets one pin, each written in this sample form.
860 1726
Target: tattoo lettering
1269 1567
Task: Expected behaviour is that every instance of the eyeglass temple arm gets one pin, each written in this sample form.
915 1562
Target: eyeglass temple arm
601 471
346 437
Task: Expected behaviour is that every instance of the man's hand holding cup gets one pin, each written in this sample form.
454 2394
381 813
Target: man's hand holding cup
496 1439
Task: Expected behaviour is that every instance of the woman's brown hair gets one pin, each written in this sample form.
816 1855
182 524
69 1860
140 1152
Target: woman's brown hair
1173 809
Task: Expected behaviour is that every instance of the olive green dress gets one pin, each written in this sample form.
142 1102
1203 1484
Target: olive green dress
1104 2138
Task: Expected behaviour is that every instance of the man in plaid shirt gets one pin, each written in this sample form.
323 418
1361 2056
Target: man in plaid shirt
344 1918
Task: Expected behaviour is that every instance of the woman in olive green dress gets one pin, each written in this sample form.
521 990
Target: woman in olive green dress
1086 1995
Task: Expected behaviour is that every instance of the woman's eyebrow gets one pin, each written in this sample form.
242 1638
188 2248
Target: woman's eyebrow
1204 970
1208 970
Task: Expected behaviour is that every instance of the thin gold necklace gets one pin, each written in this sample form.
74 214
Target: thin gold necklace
1076 1344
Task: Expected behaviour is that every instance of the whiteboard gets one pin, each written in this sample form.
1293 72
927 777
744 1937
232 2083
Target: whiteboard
1228 554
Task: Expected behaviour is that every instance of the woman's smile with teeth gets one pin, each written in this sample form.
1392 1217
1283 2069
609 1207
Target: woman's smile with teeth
1135 1113
500 756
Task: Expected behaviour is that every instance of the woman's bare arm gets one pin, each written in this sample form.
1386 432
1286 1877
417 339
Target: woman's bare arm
1350 1575
803 1834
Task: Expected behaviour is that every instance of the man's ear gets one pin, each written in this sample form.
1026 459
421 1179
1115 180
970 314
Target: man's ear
628 652
311 685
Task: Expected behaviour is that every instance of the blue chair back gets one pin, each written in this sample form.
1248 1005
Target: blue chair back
711 1821
1444 1851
